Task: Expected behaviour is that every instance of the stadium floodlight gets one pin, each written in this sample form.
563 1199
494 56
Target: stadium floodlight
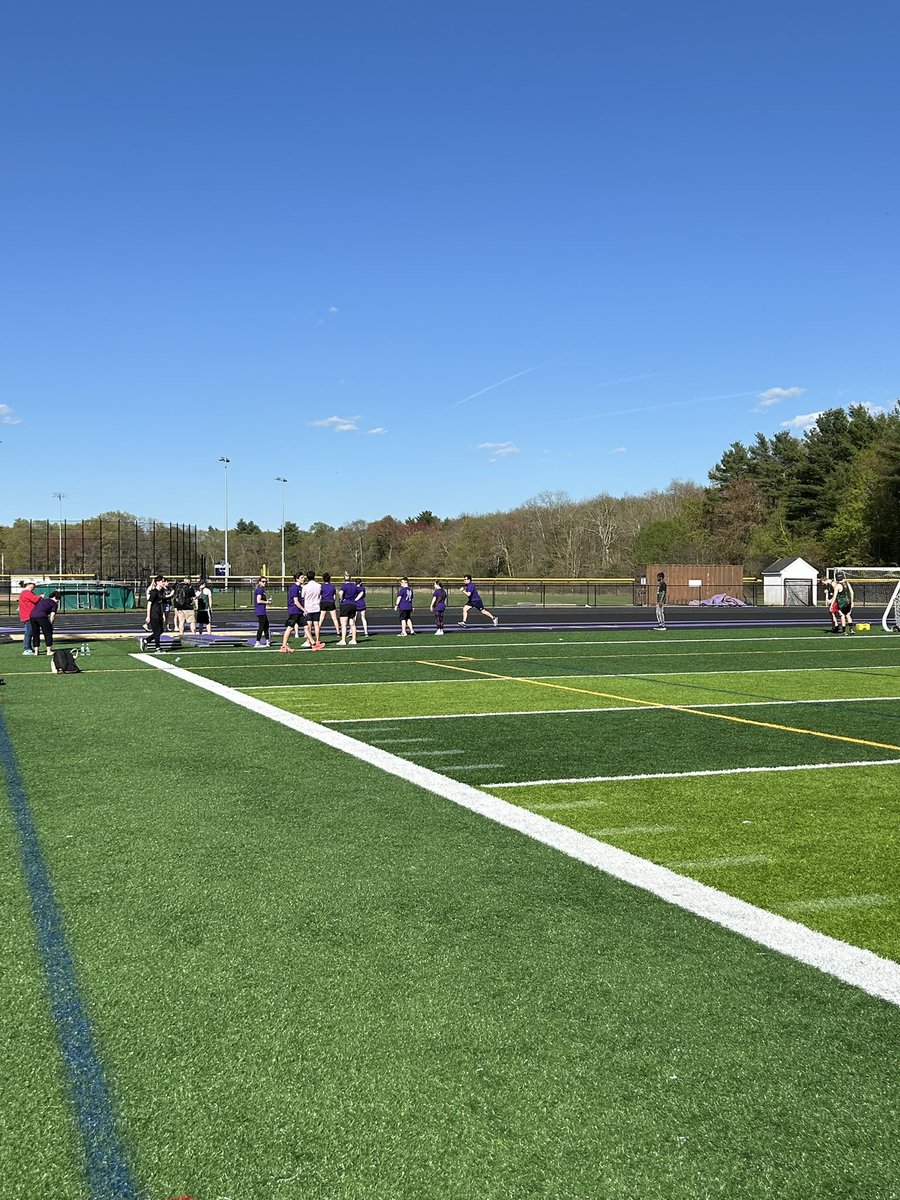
281 479
225 462
60 496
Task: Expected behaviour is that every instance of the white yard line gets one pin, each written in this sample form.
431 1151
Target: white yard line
833 766
647 675
637 706
633 830
860 968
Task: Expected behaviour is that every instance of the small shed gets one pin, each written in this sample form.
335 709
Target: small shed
790 581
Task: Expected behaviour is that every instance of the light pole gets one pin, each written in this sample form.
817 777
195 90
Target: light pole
225 462
281 479
60 496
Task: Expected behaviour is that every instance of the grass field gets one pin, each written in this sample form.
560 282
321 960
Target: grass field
305 972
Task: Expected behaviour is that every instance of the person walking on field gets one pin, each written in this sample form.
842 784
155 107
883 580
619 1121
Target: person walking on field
28 598
473 600
296 614
261 608
404 607
437 606
184 600
662 592
156 612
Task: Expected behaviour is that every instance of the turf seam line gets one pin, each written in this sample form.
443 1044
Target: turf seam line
108 1174
860 968
833 766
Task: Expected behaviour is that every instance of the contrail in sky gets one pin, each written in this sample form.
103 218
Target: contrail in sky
627 412
490 387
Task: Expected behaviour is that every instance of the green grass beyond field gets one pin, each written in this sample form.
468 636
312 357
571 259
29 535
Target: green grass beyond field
307 977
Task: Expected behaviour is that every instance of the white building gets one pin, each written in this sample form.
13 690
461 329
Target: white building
790 581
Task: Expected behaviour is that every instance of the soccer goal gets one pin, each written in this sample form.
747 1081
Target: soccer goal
874 586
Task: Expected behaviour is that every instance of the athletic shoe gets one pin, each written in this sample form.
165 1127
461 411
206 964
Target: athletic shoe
496 621
461 623
412 633
319 646
340 643
29 652
354 643
404 634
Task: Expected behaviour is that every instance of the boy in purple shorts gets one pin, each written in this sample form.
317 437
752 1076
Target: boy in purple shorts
473 600
438 604
404 607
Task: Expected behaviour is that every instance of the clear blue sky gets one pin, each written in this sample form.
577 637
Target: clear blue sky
493 248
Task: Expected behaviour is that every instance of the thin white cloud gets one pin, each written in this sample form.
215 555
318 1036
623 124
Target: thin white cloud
802 421
495 450
338 424
8 417
377 429
619 450
775 395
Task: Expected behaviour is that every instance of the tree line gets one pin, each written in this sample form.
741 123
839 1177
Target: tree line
831 495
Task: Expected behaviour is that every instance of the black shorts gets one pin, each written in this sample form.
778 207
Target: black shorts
479 604
348 610
405 614
328 606
295 618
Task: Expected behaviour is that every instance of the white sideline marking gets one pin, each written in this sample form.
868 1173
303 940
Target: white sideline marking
648 676
832 766
860 968
634 829
735 860
436 753
637 706
829 902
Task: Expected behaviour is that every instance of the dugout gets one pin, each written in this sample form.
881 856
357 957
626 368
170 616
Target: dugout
689 581
790 581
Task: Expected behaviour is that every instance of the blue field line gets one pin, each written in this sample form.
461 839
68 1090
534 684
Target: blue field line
108 1174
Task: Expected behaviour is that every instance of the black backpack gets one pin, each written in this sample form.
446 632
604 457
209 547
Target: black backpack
64 663
184 594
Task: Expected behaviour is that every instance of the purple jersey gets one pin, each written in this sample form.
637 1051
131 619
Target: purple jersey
471 593
259 602
360 597
295 604
349 592
440 599
328 593
405 599
45 607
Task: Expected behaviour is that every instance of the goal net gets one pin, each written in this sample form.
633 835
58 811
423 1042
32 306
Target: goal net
875 586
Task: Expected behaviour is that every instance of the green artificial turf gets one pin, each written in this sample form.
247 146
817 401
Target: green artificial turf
309 978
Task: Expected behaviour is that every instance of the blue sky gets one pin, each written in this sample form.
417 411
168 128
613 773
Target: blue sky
433 256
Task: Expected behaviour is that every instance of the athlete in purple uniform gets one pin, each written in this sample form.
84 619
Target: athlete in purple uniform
261 607
329 602
348 613
437 606
361 606
296 617
404 607
473 600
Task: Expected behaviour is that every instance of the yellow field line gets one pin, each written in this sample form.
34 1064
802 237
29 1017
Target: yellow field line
697 712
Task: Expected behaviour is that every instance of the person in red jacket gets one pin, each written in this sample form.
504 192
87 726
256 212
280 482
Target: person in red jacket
27 600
